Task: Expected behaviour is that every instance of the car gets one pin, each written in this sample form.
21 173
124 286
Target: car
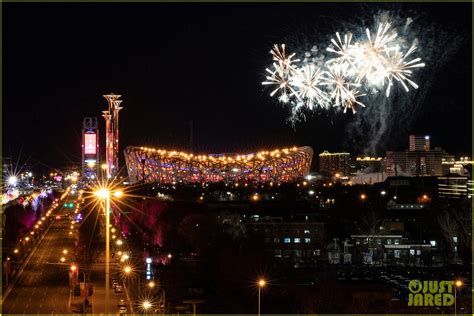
122 310
121 303
58 217
118 289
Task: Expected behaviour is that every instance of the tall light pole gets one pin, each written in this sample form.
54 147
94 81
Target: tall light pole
457 284
261 284
105 194
73 269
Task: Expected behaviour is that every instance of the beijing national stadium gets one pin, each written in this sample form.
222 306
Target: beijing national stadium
150 165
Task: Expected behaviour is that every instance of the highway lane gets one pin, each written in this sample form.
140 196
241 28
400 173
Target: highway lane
43 287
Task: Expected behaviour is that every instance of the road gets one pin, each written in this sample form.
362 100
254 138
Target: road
43 286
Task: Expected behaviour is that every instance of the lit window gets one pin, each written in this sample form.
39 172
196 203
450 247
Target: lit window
455 239
397 242
286 240
389 241
306 231
297 240
433 243
418 252
276 240
307 240
412 252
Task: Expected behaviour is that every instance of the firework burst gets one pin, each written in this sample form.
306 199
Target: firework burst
342 90
375 61
281 72
401 69
308 82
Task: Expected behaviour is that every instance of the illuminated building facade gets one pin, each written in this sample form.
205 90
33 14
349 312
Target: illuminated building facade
455 186
112 133
419 143
419 160
332 163
162 166
90 148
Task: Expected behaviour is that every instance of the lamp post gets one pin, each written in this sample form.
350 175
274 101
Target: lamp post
457 284
261 284
146 306
17 252
104 194
73 269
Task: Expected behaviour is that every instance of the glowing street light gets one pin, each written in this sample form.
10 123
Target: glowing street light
63 259
118 194
12 181
127 270
146 305
261 284
457 284
104 193
151 284
119 242
65 251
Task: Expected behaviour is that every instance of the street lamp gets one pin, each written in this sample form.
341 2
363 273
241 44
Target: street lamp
261 284
146 306
104 194
17 252
127 270
457 284
73 269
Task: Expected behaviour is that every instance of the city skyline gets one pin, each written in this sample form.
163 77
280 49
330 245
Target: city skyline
182 158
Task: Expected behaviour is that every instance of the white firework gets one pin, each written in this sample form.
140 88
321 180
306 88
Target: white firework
343 49
339 80
308 81
342 90
401 70
370 56
281 72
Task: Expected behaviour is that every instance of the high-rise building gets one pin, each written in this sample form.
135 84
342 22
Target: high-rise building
332 163
419 160
419 143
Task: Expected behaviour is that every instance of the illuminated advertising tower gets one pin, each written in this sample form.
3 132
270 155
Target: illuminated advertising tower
112 133
90 148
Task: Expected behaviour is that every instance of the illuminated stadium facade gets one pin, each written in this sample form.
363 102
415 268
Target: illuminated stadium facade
162 166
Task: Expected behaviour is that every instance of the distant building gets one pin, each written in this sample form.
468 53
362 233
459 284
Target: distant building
419 160
458 166
419 143
299 238
368 170
454 186
334 163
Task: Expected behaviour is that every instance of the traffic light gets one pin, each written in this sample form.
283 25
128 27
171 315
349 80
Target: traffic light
69 205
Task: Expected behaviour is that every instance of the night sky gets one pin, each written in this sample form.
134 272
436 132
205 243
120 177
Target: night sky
173 63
